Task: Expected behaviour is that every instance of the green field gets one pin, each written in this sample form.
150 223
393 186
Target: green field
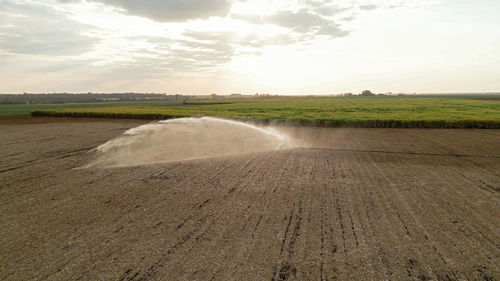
393 111
17 110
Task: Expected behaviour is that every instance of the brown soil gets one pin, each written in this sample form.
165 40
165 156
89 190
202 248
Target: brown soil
350 204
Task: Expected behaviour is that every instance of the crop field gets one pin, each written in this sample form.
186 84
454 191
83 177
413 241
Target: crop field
347 204
17 110
396 111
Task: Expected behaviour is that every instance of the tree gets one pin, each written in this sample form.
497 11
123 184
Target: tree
367 93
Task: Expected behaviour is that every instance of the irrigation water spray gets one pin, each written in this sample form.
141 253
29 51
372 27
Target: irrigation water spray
187 139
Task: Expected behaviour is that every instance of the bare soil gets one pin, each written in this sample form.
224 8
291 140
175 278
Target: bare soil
350 204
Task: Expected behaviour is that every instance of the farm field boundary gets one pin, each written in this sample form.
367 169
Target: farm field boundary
356 112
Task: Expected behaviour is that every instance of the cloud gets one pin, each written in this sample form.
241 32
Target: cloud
348 18
332 30
170 10
199 51
38 29
324 7
368 7
254 19
202 50
329 10
302 22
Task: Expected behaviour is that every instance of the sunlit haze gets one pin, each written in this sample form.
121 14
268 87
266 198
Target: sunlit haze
258 46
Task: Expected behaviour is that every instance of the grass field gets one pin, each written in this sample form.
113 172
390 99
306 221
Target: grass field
402 112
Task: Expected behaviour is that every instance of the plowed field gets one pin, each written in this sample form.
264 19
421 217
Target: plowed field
350 204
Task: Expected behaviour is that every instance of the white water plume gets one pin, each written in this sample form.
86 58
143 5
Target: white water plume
186 139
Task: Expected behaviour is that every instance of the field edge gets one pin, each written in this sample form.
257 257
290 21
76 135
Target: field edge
394 123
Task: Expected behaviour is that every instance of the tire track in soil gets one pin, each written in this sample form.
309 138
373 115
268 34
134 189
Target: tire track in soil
477 214
287 268
265 200
458 228
380 196
413 257
353 256
440 216
165 257
284 270
323 252
288 169
432 243
258 172
303 245
380 223
330 223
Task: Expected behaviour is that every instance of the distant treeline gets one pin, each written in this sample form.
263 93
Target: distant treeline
61 98
64 98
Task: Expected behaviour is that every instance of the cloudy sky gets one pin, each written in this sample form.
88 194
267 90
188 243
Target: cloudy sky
249 46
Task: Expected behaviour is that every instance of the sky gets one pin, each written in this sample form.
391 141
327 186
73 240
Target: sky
290 47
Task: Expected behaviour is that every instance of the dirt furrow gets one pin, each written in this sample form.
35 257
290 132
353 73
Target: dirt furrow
370 204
